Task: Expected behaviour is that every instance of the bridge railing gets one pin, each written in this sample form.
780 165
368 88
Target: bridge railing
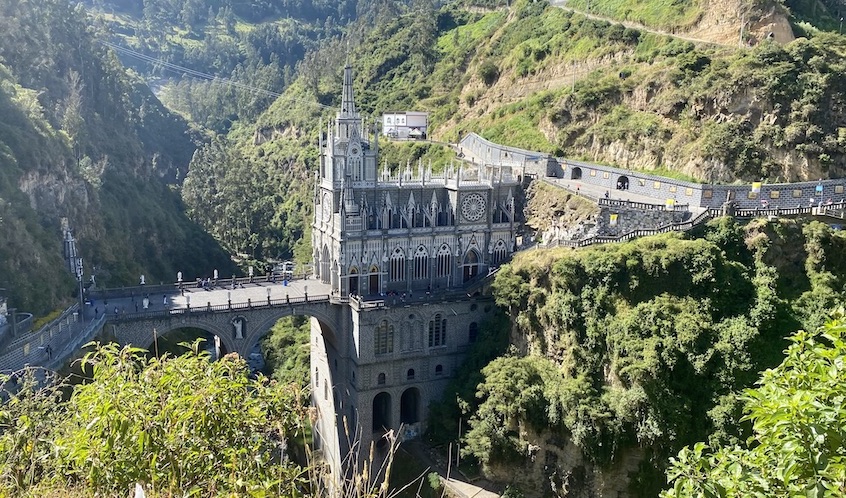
75 344
247 305
170 288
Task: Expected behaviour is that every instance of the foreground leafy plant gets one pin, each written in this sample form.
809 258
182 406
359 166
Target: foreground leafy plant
799 426
181 426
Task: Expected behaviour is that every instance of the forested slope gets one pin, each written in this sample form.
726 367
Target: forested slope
82 139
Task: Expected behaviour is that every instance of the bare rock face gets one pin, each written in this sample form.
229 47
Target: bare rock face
723 20
55 194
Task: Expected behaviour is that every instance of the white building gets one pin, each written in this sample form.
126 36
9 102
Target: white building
410 124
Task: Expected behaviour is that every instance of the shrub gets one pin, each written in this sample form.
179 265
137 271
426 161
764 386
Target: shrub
489 72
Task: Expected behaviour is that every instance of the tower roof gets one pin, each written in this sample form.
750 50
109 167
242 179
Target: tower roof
347 100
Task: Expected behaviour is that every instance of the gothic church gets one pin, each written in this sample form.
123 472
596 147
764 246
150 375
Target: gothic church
400 248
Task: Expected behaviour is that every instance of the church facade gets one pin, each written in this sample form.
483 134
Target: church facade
400 247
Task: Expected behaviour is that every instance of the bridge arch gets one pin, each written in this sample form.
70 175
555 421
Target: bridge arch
144 334
261 326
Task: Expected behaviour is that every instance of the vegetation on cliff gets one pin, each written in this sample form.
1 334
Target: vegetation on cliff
643 346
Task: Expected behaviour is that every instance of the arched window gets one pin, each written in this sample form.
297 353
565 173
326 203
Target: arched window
500 252
421 264
381 379
444 261
439 369
397 265
325 263
437 331
384 338
410 374
473 332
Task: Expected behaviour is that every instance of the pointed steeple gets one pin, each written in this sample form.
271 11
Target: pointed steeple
347 101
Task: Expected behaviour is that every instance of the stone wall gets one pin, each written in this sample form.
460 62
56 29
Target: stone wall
747 195
618 220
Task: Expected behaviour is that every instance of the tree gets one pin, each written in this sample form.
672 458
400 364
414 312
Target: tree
799 429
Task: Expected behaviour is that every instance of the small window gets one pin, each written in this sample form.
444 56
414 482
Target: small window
774 194
593 172
642 183
656 185
707 194
797 193
473 307
316 377
605 175
381 379
688 191
838 189
673 188
439 370
325 390
410 374
752 195
353 375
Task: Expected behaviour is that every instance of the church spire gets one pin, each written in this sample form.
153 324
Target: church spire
347 101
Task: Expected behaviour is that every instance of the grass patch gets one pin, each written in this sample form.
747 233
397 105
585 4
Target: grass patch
665 14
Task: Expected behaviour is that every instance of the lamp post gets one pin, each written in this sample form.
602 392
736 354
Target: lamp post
841 25
79 272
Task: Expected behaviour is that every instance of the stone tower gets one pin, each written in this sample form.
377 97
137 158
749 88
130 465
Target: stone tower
399 248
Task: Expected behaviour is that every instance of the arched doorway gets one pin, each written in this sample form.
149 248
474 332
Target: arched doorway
353 281
374 287
410 406
471 265
623 183
381 412
576 173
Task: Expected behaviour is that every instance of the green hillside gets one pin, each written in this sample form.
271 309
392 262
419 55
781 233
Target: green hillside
82 139
536 76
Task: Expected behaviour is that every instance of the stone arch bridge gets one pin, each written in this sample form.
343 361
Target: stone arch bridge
239 325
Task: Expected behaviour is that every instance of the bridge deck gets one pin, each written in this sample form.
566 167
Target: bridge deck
218 296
